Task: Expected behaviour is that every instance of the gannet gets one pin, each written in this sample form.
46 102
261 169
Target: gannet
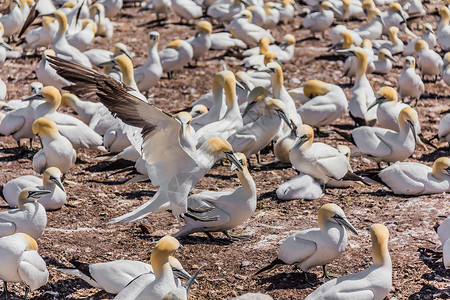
187 9
112 7
84 109
362 93
21 262
30 216
428 36
157 285
271 15
429 62
51 182
256 103
393 44
414 8
176 55
340 35
57 151
249 33
224 41
98 56
382 144
383 63
224 210
114 276
148 74
47 75
254 136
373 283
287 10
443 29
284 145
201 42
300 187
315 246
104 26
224 11
13 21
198 109
394 16
284 51
231 120
319 160
115 139
161 7
444 130
182 292
126 68
374 28
444 236
319 21
409 83
445 72
351 64
41 36
326 103
83 38
348 9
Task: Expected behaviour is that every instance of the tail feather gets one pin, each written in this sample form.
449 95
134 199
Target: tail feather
273 264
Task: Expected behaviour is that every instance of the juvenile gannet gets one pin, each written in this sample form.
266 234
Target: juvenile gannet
221 211
30 216
326 103
51 182
83 38
13 21
47 75
104 25
57 150
444 130
429 62
362 93
62 48
382 144
393 44
374 28
201 42
300 187
428 36
409 83
319 160
187 9
114 276
41 36
319 21
224 41
98 56
78 133
254 136
249 33
150 72
410 178
157 285
373 283
21 262
383 63
176 55
315 246
445 72
443 29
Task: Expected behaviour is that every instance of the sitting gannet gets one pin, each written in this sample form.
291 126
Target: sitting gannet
319 160
394 16
148 74
84 109
445 72
409 83
83 38
41 36
374 28
300 187
21 262
394 44
351 63
249 33
319 21
51 182
429 62
410 178
47 75
112 7
428 36
114 276
175 56
224 11
224 41
13 21
57 151
373 283
315 246
443 29
30 216
104 25
98 56
383 63
224 210
187 9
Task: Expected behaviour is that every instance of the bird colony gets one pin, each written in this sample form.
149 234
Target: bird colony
225 149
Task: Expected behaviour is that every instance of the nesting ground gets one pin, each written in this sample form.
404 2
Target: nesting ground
96 196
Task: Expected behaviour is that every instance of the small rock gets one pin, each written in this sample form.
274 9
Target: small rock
146 228
245 263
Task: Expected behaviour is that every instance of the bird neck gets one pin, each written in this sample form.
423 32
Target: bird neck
394 38
380 253
277 82
160 263
152 52
248 185
361 67
62 26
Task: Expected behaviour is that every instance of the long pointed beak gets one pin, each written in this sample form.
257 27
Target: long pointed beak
376 102
58 183
38 194
282 115
127 53
413 129
240 86
346 223
336 11
249 107
34 97
182 274
107 63
382 21
391 57
301 140
346 52
232 158
265 71
447 170
191 280
4 44
183 129
401 15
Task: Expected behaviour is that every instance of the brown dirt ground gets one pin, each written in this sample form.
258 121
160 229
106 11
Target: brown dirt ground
80 229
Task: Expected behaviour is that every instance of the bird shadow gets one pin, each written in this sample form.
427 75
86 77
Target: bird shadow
432 156
16 154
136 194
330 57
293 280
310 38
433 260
109 166
429 292
220 176
204 240
343 126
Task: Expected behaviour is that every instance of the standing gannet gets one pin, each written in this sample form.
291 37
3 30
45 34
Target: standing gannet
428 36
374 28
62 48
30 216
350 64
444 130
443 29
386 145
83 38
249 33
287 10
362 93
410 178
383 63
57 151
429 62
393 44
114 276
112 7
409 83
373 283
41 36
159 7
13 21
253 137
316 246
231 120
348 8
319 160
445 72
148 74
187 9
201 42
394 16
326 103
51 182
221 211
175 56
78 133
21 262
98 56
319 21
47 75
104 25
157 285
